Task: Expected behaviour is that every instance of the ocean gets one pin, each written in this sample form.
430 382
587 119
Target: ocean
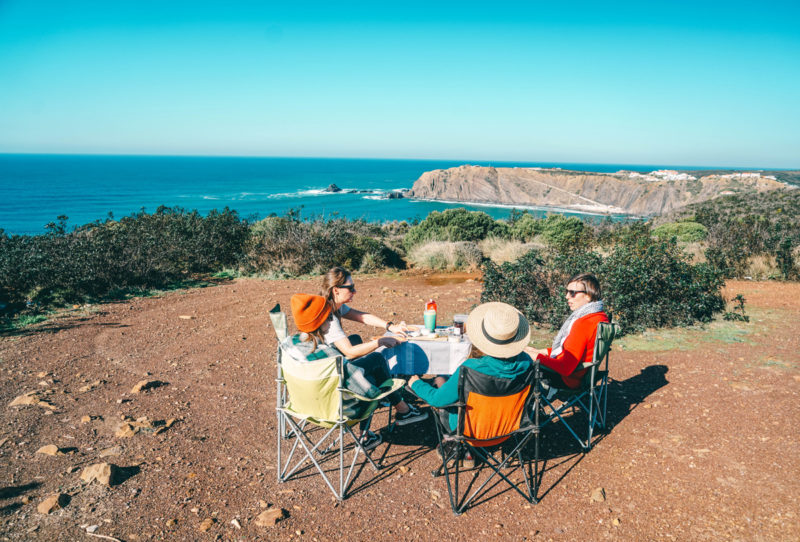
36 189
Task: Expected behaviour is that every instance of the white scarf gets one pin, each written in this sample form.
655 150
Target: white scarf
590 308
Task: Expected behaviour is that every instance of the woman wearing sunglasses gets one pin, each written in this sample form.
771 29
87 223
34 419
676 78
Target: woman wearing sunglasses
339 289
574 343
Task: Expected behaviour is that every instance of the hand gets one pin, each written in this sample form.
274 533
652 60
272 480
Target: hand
406 327
390 342
413 379
533 352
401 329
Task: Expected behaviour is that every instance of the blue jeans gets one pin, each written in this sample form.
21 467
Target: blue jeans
375 368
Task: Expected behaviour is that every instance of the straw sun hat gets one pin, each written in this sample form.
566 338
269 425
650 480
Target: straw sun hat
309 311
498 330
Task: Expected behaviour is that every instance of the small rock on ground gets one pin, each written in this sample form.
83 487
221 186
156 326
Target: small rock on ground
270 517
52 503
598 495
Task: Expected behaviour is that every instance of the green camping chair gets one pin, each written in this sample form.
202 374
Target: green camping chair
312 400
591 397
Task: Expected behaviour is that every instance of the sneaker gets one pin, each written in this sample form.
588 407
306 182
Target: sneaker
413 415
369 440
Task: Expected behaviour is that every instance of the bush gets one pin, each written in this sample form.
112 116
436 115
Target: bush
649 283
526 284
446 256
454 225
745 227
291 246
646 283
139 251
685 232
566 233
524 227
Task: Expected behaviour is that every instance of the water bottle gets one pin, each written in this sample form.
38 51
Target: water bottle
429 316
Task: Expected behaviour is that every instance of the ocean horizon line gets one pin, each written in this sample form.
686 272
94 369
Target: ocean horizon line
463 161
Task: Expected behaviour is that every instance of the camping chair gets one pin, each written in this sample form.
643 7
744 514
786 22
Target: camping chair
491 410
591 396
311 395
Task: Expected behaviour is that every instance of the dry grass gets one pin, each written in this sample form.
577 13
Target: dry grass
505 250
446 256
697 250
762 268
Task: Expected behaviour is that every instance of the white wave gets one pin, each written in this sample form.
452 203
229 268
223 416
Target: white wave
375 193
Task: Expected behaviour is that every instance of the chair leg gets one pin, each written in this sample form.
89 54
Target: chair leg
341 463
280 445
557 413
497 470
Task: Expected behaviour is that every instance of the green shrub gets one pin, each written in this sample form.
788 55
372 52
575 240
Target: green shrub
139 251
526 284
290 246
785 258
525 227
745 226
565 233
646 283
649 283
685 232
455 225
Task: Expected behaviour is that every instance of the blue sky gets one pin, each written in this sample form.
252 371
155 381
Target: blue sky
683 83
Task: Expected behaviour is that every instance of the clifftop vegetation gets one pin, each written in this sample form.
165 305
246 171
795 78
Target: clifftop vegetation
696 248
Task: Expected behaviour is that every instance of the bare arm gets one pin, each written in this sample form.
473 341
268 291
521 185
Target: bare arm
352 351
376 321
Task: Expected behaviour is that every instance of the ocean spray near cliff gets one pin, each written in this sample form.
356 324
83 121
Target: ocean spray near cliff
35 189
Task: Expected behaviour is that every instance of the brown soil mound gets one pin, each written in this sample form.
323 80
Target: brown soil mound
703 443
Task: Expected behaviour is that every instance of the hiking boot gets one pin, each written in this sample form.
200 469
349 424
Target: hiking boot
413 415
369 440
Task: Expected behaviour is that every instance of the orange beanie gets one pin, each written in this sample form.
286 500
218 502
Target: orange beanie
309 311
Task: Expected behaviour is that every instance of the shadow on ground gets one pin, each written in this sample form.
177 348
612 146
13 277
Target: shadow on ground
557 445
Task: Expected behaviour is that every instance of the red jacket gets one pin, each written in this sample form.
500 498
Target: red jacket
578 348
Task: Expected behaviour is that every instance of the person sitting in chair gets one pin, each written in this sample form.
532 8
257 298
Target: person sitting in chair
500 332
314 316
574 343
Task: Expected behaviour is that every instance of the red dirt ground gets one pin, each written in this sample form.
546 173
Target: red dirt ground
703 443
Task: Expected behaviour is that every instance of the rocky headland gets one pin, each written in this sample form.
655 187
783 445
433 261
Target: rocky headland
625 192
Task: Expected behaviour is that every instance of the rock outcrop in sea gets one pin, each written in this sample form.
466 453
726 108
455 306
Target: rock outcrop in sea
621 192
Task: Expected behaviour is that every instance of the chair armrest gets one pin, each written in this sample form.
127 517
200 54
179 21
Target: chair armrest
390 386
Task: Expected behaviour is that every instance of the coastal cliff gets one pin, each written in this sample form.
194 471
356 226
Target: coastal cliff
621 192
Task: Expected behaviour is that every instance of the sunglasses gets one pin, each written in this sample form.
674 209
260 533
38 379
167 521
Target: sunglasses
351 287
573 293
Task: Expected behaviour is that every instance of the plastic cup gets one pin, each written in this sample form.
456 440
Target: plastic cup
429 317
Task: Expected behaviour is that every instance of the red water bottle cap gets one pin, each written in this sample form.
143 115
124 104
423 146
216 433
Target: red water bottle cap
431 305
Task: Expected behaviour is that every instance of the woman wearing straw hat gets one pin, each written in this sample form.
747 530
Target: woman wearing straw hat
499 331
